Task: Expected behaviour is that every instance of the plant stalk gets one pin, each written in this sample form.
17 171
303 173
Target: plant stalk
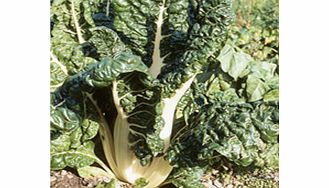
61 66
76 23
108 8
107 169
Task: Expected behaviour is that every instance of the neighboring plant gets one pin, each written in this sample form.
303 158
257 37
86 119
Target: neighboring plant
256 28
160 85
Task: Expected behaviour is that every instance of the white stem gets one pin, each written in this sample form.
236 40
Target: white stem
61 66
106 138
103 165
157 61
108 8
124 156
169 111
76 23
129 165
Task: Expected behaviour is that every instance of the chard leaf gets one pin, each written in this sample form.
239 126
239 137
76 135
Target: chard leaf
60 143
107 42
88 172
68 52
273 82
140 183
263 70
58 73
256 88
152 29
204 42
225 57
111 184
100 75
187 177
270 156
74 158
139 99
272 95
64 119
172 34
234 63
90 129
70 139
71 21
242 133
65 124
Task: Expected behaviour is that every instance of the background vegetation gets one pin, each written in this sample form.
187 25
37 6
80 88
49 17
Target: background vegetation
256 32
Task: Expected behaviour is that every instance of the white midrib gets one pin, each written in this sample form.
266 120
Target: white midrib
169 111
76 23
123 155
127 165
61 65
108 139
157 60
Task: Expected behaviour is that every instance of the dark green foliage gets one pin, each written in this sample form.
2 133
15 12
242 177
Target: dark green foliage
242 133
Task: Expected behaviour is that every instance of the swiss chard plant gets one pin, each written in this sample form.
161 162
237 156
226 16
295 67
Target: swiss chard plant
161 86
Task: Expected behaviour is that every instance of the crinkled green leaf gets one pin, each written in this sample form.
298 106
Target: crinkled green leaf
101 74
78 126
111 184
60 143
265 119
241 133
109 69
217 89
225 57
141 103
68 52
136 20
74 158
106 41
70 139
71 21
256 88
204 42
273 82
234 63
88 172
64 119
90 129
140 183
58 73
272 95
187 177
140 97
74 15
263 70
270 156
188 39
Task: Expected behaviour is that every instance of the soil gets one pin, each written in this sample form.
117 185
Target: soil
260 179
67 179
